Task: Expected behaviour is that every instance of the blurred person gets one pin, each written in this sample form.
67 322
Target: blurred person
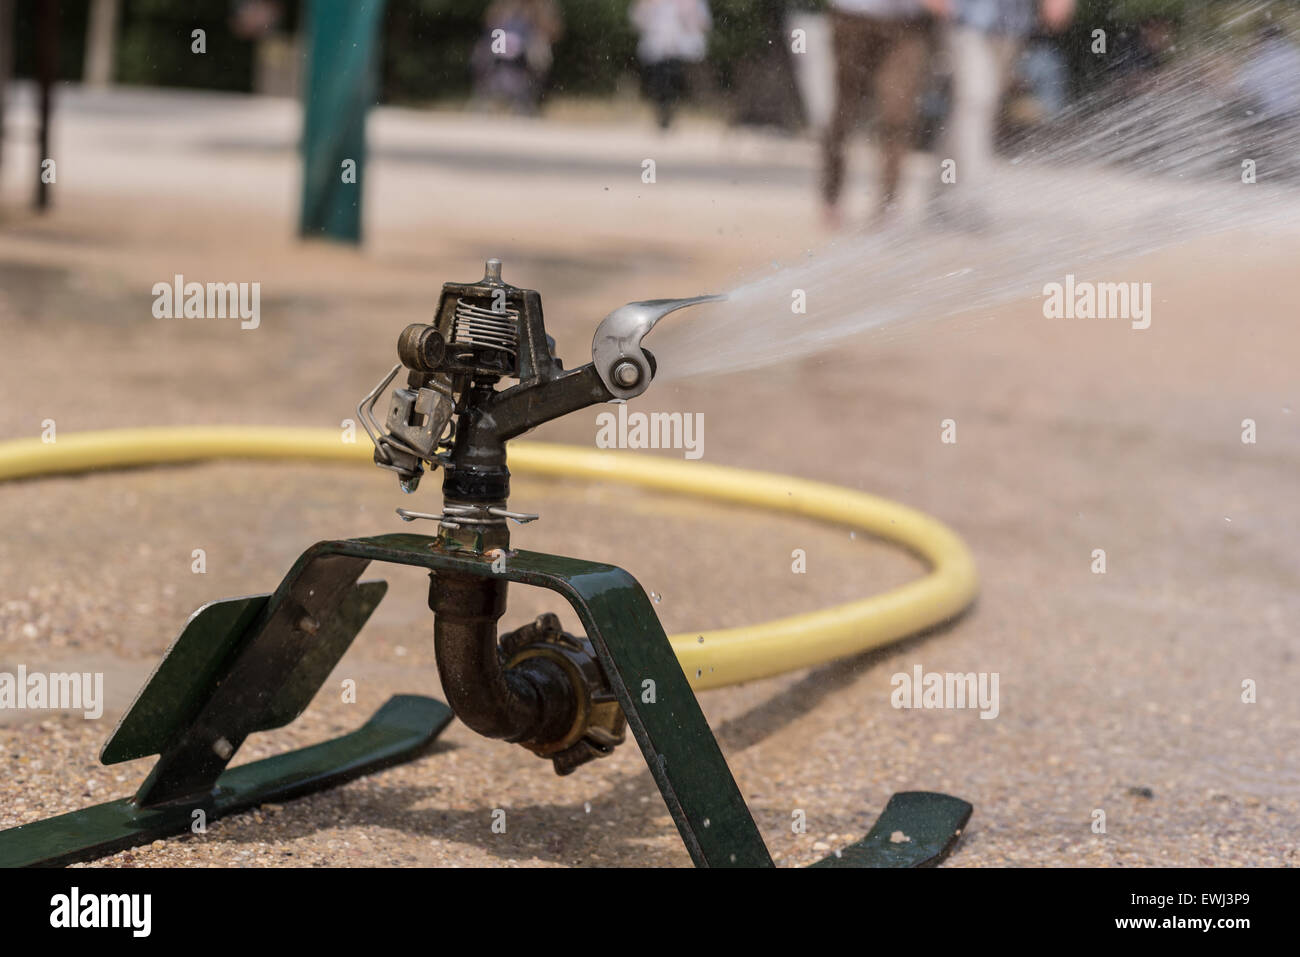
512 61
674 33
881 47
1039 91
983 39
277 65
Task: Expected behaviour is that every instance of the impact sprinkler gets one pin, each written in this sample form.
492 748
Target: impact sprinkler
483 372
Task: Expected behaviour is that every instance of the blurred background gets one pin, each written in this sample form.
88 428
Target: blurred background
585 53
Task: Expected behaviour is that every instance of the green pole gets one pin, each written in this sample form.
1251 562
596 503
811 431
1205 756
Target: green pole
342 66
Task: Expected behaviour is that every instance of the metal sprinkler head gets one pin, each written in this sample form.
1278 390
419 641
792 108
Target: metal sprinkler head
538 685
450 412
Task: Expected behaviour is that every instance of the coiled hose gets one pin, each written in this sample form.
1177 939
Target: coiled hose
726 656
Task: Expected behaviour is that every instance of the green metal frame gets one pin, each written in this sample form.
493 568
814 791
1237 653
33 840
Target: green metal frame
401 730
252 664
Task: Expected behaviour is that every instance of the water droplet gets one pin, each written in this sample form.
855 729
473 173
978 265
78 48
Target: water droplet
656 596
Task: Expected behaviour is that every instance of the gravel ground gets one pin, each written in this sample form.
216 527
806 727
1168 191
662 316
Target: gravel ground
1119 692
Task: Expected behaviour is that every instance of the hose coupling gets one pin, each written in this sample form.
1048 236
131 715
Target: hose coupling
598 725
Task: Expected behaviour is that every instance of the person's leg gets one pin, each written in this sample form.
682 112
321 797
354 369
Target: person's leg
656 89
1046 70
898 84
1006 53
848 41
674 90
981 69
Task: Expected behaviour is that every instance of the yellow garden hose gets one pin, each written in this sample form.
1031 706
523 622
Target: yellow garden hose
726 656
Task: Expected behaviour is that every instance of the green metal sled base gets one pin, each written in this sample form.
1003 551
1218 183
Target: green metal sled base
401 730
252 664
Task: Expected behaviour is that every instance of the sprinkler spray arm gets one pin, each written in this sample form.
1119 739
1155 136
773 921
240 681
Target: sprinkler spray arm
625 368
620 369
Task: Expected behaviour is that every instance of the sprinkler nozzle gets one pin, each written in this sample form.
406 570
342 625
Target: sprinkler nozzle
627 374
623 365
